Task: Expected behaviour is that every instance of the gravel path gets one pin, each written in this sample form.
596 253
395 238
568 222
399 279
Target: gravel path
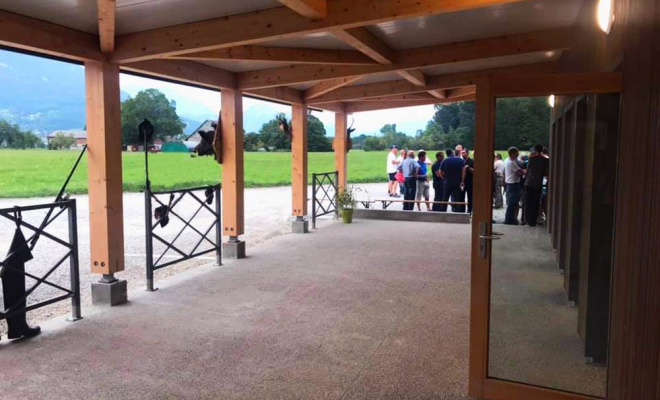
267 215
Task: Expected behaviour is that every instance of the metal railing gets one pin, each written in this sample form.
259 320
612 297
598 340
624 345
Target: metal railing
152 224
324 195
14 273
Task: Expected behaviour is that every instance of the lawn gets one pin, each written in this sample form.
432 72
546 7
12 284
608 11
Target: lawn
30 173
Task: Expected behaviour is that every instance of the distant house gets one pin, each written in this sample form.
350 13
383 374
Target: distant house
80 135
193 140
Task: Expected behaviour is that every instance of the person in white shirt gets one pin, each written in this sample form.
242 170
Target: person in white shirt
512 176
498 182
391 172
399 160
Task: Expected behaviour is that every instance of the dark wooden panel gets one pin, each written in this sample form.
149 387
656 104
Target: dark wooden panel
635 342
564 170
574 196
596 257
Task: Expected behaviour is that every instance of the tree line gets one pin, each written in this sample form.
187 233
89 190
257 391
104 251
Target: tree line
519 122
11 136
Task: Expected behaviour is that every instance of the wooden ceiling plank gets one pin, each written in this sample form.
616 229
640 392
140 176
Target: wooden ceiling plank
366 42
328 86
314 9
416 58
284 54
106 18
42 37
434 82
414 76
277 23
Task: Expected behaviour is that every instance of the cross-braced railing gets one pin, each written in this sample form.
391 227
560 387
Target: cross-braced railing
13 266
324 195
202 197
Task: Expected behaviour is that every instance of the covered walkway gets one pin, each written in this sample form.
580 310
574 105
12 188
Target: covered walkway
304 317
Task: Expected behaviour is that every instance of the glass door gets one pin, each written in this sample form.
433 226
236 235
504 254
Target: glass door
542 247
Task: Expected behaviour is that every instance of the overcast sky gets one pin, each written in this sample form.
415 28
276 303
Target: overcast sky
201 104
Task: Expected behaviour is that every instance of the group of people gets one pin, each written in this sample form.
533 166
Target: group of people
452 175
524 180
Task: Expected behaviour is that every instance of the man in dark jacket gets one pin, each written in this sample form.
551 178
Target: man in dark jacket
438 182
451 171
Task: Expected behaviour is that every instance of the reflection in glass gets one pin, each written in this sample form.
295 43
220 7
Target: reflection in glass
551 267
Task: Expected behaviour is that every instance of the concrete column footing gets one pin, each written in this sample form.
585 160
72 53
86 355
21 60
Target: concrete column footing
233 249
300 226
110 293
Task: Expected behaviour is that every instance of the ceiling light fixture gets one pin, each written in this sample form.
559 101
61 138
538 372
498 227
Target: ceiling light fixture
605 15
551 101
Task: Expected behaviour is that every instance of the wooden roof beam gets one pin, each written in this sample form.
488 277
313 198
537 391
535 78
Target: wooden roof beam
314 9
277 23
185 71
414 58
106 17
42 37
414 76
283 54
361 106
434 83
438 93
328 86
367 43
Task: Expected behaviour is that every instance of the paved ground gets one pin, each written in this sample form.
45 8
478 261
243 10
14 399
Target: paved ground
534 335
304 317
267 215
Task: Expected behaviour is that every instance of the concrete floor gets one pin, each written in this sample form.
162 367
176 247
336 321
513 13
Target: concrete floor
533 329
367 311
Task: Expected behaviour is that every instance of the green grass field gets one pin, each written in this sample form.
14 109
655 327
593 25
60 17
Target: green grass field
31 173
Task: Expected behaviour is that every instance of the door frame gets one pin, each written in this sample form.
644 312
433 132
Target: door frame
488 90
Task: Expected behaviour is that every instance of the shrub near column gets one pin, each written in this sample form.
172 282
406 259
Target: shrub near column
346 202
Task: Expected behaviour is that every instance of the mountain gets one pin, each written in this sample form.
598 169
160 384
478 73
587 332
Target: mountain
44 95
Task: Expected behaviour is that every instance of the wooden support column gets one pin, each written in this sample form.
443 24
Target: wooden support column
232 172
341 148
299 160
105 169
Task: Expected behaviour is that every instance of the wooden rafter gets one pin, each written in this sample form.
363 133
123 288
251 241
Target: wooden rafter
360 106
42 37
414 58
284 54
414 76
366 42
461 92
185 71
328 86
434 82
438 93
106 17
402 97
314 9
277 23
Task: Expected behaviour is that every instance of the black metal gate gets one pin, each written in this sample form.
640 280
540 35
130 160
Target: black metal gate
53 212
324 195
201 195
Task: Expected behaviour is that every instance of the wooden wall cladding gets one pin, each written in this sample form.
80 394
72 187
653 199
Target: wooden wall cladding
634 47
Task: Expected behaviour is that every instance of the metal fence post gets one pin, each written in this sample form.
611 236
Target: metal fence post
313 201
149 240
218 227
74 262
336 194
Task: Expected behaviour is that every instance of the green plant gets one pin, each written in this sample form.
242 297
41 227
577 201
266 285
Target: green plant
346 198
